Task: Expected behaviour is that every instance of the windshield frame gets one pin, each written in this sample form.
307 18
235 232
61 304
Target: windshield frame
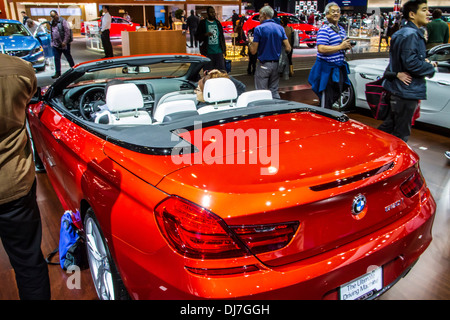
123 72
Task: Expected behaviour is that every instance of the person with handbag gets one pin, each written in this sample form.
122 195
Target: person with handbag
241 39
407 54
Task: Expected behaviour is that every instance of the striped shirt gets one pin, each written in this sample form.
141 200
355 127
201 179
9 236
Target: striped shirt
326 36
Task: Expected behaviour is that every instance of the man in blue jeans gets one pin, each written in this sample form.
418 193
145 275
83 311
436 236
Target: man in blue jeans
61 38
269 37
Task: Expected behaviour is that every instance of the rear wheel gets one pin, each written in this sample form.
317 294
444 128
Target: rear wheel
346 101
107 281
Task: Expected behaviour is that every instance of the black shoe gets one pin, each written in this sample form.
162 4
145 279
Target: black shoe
56 75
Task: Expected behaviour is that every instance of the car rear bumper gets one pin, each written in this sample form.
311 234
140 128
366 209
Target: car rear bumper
395 247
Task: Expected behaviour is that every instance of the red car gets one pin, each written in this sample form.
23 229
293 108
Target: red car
117 26
237 197
227 25
306 32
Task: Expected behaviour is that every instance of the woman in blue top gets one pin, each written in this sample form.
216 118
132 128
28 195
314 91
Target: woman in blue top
329 74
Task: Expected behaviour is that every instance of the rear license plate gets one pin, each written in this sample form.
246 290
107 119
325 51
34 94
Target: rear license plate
362 287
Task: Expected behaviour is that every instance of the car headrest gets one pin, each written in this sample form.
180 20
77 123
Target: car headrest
251 96
122 97
219 89
171 107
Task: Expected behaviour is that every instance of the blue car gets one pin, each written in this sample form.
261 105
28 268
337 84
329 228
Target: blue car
16 40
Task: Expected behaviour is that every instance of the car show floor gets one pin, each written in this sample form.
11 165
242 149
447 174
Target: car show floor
428 280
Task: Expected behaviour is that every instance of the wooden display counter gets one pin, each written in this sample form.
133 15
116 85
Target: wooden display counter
155 41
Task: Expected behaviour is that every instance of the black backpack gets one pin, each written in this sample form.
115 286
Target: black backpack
60 26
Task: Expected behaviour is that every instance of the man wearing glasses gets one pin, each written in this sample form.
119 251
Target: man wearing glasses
328 76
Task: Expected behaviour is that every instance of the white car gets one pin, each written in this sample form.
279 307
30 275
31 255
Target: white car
435 110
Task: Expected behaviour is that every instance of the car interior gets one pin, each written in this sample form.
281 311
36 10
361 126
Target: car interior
137 102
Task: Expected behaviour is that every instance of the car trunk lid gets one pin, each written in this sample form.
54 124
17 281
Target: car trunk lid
312 169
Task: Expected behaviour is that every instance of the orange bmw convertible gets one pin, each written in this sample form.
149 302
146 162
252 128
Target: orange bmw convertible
235 197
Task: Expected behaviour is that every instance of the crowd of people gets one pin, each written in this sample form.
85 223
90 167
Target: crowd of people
409 35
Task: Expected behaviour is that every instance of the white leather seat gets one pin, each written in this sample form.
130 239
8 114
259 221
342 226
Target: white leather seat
123 102
171 107
178 95
220 93
219 90
251 96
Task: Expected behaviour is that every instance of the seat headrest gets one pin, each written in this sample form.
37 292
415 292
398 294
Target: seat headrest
219 89
122 97
171 107
251 96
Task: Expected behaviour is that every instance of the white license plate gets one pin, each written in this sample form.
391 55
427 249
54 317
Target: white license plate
363 286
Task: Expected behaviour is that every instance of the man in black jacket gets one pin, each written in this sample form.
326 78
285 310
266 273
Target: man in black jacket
212 40
408 54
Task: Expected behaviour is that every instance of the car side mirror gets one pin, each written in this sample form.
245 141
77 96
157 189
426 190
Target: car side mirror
37 96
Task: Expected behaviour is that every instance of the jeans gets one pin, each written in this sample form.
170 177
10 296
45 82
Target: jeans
58 52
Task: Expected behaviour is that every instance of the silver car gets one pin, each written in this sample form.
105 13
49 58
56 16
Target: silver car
435 110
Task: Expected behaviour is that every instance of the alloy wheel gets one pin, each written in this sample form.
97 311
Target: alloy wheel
99 262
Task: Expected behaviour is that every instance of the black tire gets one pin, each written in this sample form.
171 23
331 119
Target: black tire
106 278
311 45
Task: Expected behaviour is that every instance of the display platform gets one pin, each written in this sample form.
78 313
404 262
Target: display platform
154 41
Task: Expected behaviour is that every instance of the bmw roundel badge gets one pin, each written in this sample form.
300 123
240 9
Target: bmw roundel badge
359 204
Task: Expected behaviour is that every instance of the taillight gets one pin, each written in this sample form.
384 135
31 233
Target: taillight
196 232
413 185
268 237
